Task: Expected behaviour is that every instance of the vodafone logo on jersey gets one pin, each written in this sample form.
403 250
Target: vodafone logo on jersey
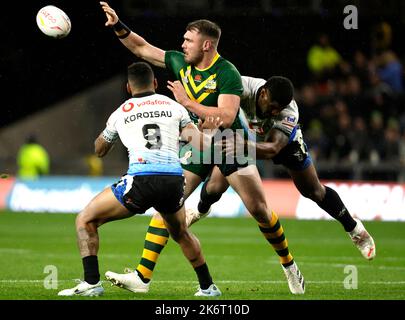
128 107
156 102
153 103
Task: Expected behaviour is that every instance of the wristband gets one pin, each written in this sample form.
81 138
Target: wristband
121 30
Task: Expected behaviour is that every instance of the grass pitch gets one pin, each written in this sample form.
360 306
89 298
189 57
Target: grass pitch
241 262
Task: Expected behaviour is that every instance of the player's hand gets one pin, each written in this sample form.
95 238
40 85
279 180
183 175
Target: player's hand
210 123
112 17
233 145
179 92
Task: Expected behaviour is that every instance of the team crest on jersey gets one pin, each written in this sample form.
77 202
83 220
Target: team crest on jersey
198 78
211 85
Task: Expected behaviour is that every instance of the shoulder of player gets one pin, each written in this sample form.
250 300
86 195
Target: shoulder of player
226 72
253 79
252 84
290 114
293 107
172 56
225 65
124 105
174 53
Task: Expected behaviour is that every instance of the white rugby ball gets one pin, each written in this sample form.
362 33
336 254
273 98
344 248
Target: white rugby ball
53 22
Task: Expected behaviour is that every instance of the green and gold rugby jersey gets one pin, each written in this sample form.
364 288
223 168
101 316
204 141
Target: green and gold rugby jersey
205 85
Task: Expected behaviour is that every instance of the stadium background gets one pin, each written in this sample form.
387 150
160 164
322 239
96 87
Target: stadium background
63 91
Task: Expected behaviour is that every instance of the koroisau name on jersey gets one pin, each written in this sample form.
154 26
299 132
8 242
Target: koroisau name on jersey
149 127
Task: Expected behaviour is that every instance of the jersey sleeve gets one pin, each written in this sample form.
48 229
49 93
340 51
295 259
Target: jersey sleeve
110 133
286 122
185 118
283 127
174 61
230 81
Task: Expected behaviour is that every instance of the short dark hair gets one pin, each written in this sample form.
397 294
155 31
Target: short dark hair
206 27
281 90
140 75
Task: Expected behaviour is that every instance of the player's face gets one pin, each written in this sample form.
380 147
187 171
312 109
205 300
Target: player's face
193 47
267 107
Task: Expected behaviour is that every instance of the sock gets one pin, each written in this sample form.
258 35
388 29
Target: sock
206 200
155 240
204 277
274 234
91 272
334 206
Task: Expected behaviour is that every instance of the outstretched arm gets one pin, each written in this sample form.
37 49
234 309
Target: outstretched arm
135 43
276 141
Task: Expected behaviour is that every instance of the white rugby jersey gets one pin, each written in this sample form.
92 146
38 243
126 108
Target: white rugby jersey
149 127
286 121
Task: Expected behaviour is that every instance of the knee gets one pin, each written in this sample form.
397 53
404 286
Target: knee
81 220
259 207
179 234
259 210
84 219
157 216
216 188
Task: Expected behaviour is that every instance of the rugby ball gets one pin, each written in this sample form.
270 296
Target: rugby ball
53 22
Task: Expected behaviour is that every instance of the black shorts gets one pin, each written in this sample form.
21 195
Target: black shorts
294 156
165 193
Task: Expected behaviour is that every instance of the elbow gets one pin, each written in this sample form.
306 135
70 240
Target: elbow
99 153
267 153
277 149
227 123
99 150
134 48
271 153
228 119
139 54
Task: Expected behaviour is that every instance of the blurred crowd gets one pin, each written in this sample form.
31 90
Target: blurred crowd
353 110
